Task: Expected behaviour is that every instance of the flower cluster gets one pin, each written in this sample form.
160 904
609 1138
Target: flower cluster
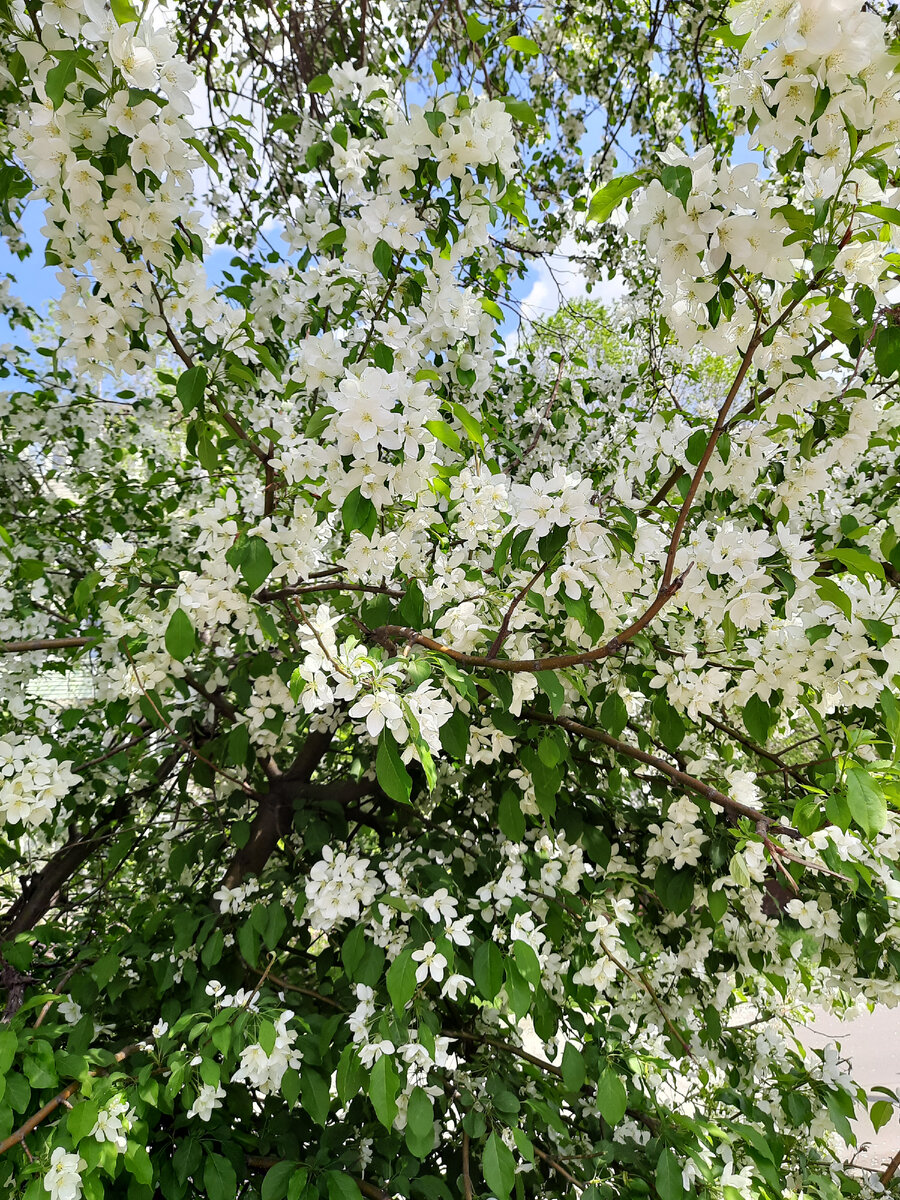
264 1071
341 886
32 782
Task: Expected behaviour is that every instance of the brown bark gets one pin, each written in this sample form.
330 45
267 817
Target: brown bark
274 816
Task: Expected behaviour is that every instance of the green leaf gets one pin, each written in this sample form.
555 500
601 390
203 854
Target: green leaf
219 1178
510 817
830 592
383 257
671 726
470 424
868 806
275 1183
391 770
573 1068
180 637
255 561
358 512
191 388
726 35
411 610
319 85
552 689
124 11
9 1043
879 631
297 1185
857 562
887 349
444 433
60 76
758 719
474 28
498 1167
528 962
523 45
608 198
454 735
487 969
678 181
613 714
81 1120
341 1186
384 1084
401 980
891 215
674 888
668 1177
880 1113
137 1162
520 111
314 1095
612 1099
420 1123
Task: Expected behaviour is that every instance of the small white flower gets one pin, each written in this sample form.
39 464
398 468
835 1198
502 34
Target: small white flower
63 1179
455 986
431 962
70 1010
208 1099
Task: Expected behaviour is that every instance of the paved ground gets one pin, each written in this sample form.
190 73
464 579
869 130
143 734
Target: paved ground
872 1044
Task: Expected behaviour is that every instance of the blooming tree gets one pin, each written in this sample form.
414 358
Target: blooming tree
482 747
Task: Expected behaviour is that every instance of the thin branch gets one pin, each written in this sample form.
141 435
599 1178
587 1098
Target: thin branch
46 644
548 408
556 662
466 1173
507 1046
503 632
713 795
302 589
717 431
559 1168
640 976
245 787
891 1169
20 1134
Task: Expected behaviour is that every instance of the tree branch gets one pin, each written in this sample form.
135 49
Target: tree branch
46 644
713 795
275 811
556 662
20 1134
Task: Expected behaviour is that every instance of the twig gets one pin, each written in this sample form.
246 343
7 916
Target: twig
559 1168
507 1046
245 787
556 662
713 795
20 1134
466 1175
640 976
548 408
717 431
46 644
266 594
503 632
891 1169
293 987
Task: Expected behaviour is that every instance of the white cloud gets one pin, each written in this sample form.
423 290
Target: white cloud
557 279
